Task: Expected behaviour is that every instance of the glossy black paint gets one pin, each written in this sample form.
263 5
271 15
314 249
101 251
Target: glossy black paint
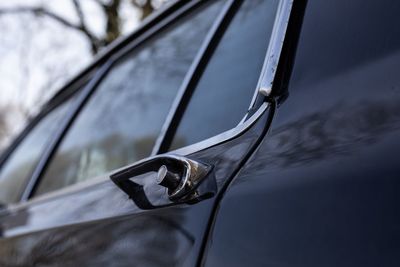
323 187
98 225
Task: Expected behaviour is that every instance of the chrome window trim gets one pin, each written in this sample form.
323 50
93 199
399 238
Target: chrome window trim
264 87
275 47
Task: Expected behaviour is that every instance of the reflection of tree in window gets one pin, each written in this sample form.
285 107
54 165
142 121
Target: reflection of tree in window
124 117
17 169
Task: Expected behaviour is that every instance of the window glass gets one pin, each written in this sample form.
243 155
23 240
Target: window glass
17 169
122 120
224 92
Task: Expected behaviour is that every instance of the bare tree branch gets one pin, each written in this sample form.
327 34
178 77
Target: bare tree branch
79 12
41 11
94 42
110 9
113 29
100 2
113 24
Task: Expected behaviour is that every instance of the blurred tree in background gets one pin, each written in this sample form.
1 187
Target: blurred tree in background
110 9
44 43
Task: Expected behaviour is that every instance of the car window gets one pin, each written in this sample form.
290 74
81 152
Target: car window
18 167
224 92
121 122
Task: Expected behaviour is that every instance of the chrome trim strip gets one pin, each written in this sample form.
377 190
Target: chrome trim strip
275 47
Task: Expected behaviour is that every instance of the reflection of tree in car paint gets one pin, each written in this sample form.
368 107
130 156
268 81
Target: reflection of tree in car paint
119 242
339 130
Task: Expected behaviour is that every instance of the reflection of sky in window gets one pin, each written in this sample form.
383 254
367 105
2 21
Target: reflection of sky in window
43 36
140 87
19 165
123 118
33 144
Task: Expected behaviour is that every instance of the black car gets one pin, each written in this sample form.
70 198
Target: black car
220 133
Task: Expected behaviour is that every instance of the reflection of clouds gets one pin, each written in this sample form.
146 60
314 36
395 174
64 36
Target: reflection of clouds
121 242
338 130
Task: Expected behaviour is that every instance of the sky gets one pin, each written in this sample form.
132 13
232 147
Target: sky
38 55
40 46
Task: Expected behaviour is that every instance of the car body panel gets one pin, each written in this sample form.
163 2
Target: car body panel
323 187
80 224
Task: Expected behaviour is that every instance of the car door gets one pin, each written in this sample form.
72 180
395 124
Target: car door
138 172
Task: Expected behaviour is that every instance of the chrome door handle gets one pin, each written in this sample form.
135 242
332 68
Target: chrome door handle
180 175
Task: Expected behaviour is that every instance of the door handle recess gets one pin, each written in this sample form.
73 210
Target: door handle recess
180 175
